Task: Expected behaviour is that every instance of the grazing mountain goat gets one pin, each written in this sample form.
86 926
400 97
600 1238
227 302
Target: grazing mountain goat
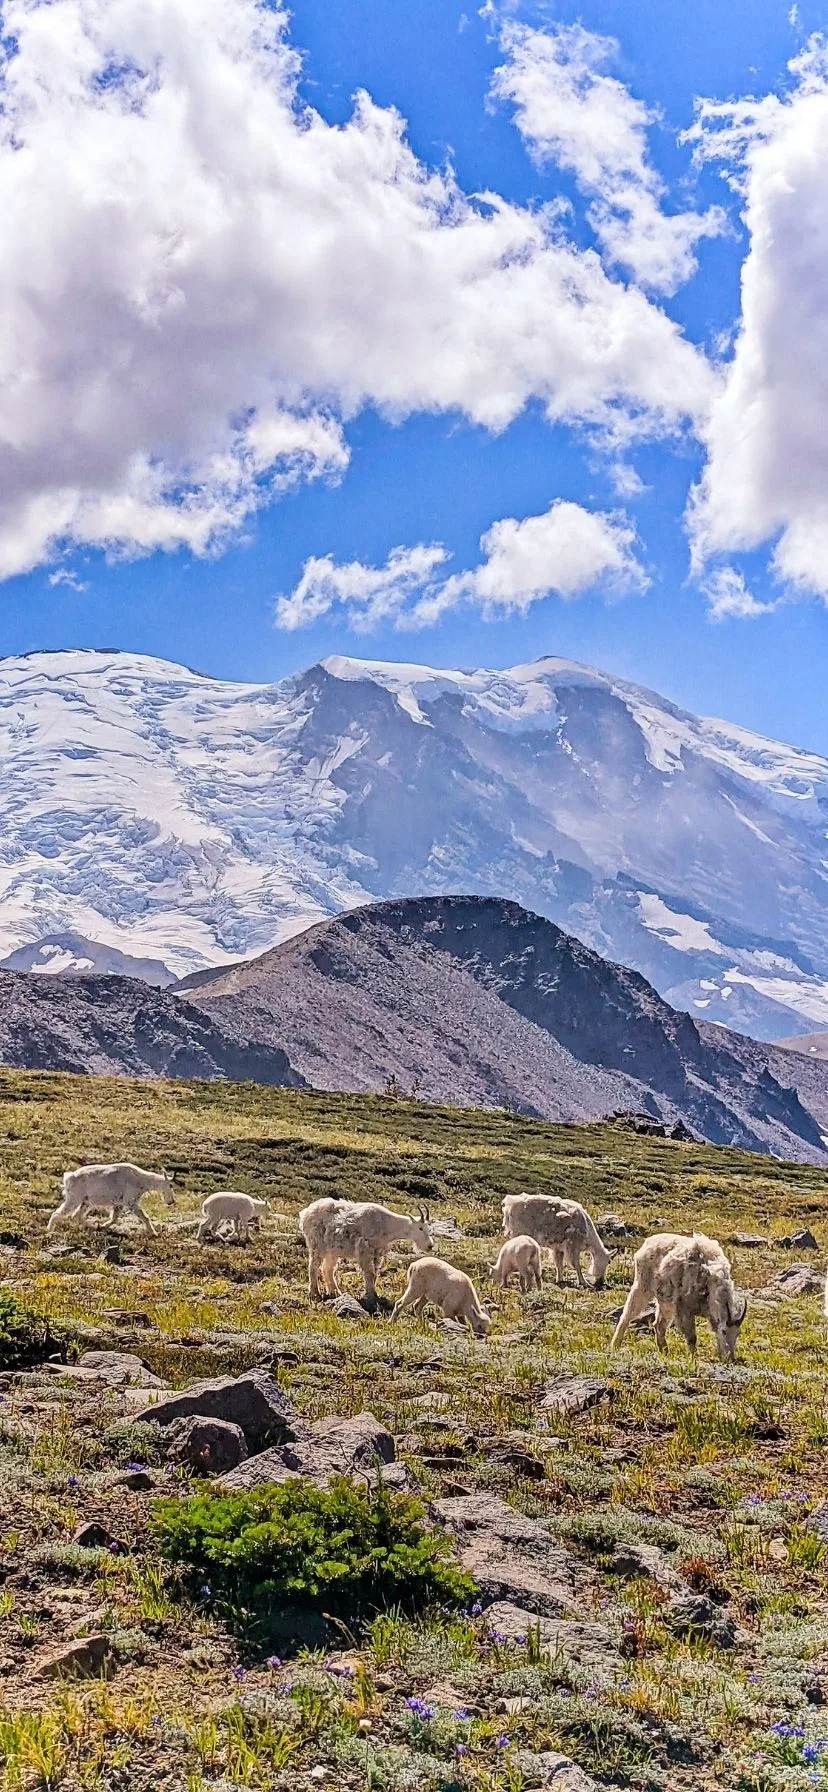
688 1278
241 1212
518 1257
562 1227
360 1232
113 1188
431 1282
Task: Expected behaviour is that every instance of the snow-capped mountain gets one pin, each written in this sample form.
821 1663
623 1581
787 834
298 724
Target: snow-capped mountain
171 817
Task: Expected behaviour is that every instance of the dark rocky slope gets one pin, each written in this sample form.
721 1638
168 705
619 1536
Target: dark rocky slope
475 1000
117 1026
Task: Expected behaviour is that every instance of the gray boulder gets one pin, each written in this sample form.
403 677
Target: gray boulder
331 1446
590 1646
803 1240
253 1401
211 1446
511 1557
118 1368
799 1278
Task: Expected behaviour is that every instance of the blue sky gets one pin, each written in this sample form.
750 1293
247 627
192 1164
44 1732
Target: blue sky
439 475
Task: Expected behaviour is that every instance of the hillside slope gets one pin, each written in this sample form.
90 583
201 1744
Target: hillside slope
176 818
477 1001
117 1026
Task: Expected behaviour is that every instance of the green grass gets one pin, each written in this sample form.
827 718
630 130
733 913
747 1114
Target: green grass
720 1469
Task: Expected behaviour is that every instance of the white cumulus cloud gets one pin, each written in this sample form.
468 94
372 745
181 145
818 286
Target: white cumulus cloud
568 550
728 595
203 281
766 474
571 112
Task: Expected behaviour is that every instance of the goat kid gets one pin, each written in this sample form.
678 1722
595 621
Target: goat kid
240 1213
519 1257
431 1282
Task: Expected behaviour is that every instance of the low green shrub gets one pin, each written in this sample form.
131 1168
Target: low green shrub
336 1551
25 1340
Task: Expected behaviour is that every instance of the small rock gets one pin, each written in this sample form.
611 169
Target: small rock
86 1655
433 1402
547 1768
778 1550
641 1324
574 1393
512 1452
120 1316
318 1775
750 1241
96 1536
135 1480
397 1476
643 1561
611 1224
803 1240
799 1278
212 1446
346 1307
119 1368
693 1614
254 1401
442 1693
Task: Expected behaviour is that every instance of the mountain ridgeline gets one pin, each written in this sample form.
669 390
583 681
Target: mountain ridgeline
476 1001
157 822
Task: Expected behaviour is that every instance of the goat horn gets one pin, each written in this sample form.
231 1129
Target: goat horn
744 1309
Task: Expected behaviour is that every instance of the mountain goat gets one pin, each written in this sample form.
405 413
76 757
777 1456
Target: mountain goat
360 1232
560 1226
518 1257
431 1282
112 1188
241 1212
688 1278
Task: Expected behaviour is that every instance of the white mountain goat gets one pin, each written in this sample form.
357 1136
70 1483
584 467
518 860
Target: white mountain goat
688 1278
360 1232
560 1226
518 1257
431 1282
240 1212
111 1188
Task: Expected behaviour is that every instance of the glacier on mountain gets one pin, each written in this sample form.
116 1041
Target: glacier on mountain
171 817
